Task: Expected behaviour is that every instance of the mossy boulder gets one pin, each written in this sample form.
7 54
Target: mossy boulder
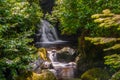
116 76
45 75
95 74
64 57
42 53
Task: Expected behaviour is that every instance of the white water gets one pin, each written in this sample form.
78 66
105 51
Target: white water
48 32
47 35
63 70
44 36
52 55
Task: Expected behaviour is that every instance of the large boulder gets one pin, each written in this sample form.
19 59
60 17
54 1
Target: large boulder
45 75
65 54
95 74
68 50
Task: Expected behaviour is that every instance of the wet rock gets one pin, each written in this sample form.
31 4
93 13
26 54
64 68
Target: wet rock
36 65
65 54
47 65
66 50
64 57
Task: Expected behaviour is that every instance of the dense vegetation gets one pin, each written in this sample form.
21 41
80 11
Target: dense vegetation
17 25
75 18
95 22
110 21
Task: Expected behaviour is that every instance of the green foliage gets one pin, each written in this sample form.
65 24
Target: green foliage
75 15
113 61
17 25
107 19
110 21
113 47
95 74
101 40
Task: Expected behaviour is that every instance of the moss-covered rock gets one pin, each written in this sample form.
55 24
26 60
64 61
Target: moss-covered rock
45 75
42 53
64 57
95 74
116 76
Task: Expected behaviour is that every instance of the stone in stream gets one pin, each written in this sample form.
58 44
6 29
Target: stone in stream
67 50
36 65
47 65
64 70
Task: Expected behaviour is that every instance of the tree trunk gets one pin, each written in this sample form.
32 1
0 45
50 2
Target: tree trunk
81 46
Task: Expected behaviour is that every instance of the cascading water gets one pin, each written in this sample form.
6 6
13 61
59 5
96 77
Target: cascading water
47 35
52 55
63 70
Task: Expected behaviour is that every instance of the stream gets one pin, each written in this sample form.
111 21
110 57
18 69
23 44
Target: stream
46 37
63 70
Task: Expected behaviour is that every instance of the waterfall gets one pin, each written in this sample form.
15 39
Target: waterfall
46 35
49 33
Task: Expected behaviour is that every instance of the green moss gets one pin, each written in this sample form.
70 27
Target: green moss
46 75
42 53
116 76
95 74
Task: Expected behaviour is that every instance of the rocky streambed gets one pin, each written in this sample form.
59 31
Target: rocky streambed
59 62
